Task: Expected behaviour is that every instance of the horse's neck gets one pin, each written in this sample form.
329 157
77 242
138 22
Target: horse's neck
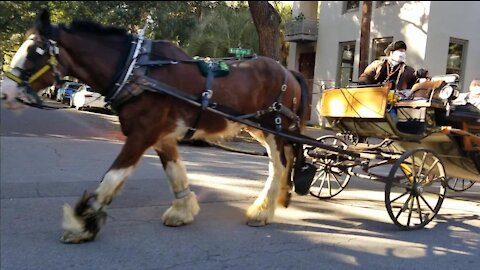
164 48
91 61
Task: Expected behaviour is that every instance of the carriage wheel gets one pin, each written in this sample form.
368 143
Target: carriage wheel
415 189
459 184
329 179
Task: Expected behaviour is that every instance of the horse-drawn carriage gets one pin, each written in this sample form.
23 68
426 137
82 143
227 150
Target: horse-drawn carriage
161 94
427 143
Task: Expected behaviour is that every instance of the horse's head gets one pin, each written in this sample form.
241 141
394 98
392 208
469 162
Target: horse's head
33 67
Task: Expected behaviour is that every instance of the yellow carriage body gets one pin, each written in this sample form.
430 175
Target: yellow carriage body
367 112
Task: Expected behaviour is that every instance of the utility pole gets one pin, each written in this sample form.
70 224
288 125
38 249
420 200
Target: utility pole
365 35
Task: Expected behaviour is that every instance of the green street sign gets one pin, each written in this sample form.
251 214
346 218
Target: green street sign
239 52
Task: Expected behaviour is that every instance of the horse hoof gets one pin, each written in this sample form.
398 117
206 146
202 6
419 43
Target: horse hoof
82 223
174 223
182 212
174 218
258 217
73 238
256 223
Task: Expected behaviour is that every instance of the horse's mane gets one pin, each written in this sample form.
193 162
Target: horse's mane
94 28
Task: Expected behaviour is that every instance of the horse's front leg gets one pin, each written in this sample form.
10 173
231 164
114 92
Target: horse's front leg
185 206
83 222
261 212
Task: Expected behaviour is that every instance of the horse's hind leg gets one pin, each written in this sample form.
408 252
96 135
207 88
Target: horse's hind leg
185 206
286 182
83 222
261 212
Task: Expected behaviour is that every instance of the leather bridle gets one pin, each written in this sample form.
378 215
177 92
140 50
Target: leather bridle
28 76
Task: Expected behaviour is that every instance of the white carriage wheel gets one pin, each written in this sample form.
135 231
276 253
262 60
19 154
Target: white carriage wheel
329 179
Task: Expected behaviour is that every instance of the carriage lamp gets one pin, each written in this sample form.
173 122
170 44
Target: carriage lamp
449 91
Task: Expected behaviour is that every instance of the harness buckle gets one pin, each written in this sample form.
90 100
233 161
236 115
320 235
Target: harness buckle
206 97
207 94
276 106
278 120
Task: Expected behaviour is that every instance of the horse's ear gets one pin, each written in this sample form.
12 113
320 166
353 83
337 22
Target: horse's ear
42 24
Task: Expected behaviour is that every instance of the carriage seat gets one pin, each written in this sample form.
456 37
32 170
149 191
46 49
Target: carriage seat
467 118
423 90
468 113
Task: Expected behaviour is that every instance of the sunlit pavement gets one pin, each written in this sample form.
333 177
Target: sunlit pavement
40 173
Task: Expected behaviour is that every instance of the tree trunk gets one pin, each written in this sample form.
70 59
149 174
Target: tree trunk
267 21
365 35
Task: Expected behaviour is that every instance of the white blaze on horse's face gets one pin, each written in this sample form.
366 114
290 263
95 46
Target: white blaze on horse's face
9 88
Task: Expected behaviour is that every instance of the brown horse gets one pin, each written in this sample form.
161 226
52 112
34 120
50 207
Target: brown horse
257 89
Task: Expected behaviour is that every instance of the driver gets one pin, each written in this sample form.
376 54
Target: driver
393 69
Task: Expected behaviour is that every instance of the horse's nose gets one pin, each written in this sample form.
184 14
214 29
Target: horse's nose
4 96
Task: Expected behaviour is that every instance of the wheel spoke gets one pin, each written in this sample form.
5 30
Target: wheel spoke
404 207
336 180
410 210
425 201
419 210
455 185
328 184
406 192
422 163
321 184
433 166
318 177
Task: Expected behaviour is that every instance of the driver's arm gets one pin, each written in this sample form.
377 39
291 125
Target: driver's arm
368 75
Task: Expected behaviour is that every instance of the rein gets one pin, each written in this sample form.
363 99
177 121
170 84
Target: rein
160 87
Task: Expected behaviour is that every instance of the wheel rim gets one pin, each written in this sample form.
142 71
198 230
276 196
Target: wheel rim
415 189
459 184
329 180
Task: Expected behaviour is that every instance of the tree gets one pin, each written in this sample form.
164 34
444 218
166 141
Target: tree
223 28
267 22
365 35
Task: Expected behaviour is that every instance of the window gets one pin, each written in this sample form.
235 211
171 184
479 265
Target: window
346 60
349 6
457 49
378 47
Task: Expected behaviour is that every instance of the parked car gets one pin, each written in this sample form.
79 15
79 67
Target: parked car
87 98
66 91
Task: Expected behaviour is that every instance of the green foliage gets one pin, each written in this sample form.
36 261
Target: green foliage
207 28
221 29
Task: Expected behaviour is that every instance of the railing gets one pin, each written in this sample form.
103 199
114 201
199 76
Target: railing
301 30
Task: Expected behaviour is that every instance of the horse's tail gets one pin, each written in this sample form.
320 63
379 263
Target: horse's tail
305 98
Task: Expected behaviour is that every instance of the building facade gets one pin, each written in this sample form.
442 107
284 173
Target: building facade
441 36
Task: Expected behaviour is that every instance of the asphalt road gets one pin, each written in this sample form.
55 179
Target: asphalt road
49 158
